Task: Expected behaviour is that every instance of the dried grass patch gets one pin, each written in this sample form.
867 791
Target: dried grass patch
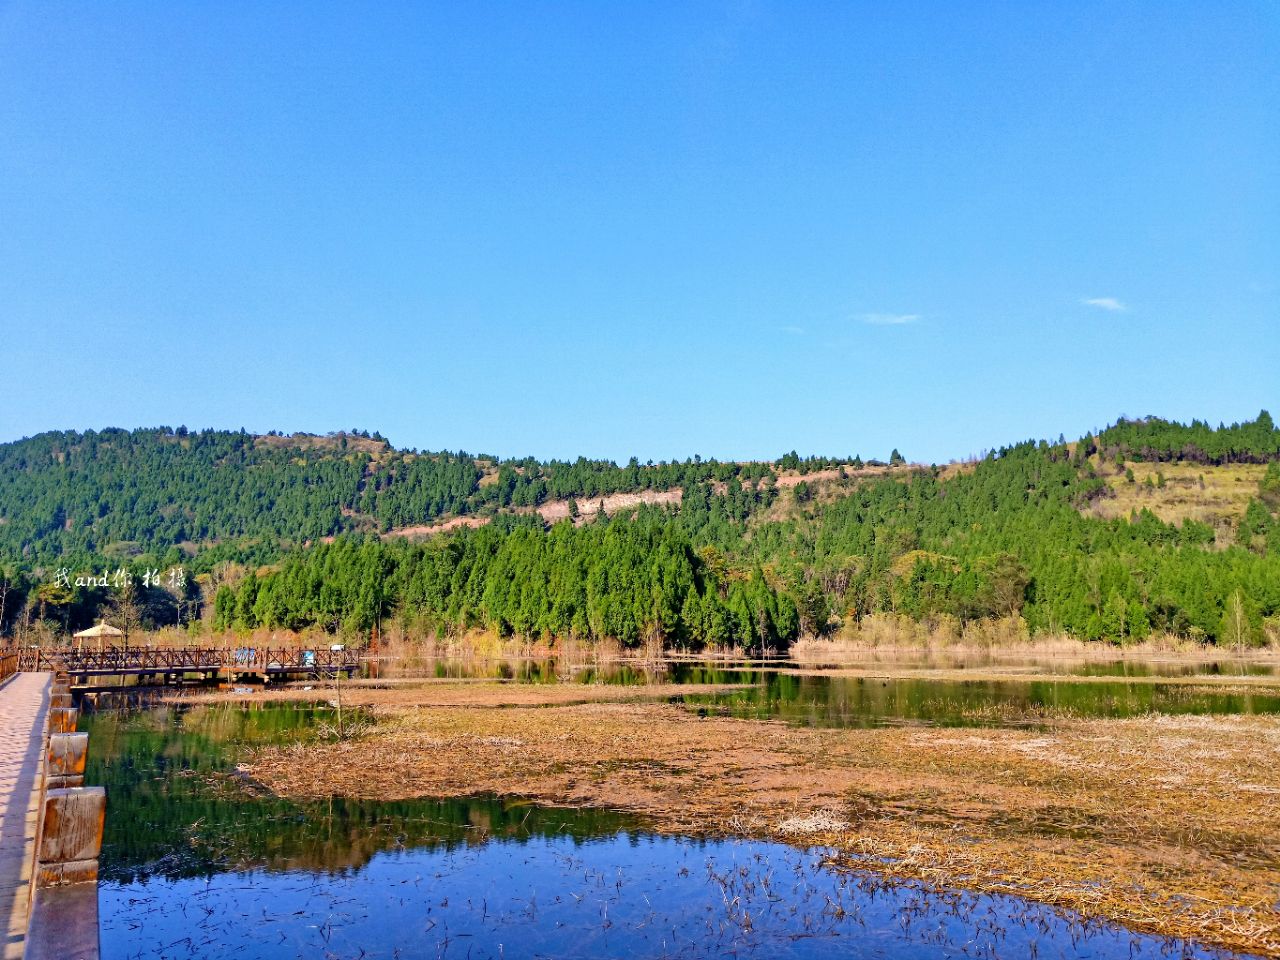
1168 824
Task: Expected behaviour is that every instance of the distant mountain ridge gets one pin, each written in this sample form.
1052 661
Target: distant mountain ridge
173 492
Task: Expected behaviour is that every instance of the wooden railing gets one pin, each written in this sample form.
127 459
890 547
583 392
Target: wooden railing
62 922
176 660
9 664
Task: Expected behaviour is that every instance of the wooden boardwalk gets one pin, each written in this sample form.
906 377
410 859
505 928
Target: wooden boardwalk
173 663
24 702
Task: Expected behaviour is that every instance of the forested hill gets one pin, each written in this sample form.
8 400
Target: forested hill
1255 441
212 495
1014 539
1113 538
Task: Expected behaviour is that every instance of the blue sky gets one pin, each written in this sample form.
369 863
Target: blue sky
730 229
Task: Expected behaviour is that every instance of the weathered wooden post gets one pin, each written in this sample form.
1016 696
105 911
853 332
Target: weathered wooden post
71 838
63 719
67 755
64 918
63 924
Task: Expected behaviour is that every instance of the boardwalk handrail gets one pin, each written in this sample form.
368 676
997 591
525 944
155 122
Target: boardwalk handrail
9 664
109 660
62 921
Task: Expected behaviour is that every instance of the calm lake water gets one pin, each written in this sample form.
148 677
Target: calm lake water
1051 690
552 670
197 864
842 701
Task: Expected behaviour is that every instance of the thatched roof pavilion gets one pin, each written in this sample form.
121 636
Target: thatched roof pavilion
100 630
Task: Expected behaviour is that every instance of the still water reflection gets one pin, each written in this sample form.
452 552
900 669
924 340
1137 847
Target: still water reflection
197 863
827 697
843 701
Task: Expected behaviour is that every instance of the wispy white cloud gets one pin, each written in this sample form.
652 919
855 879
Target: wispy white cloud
1105 303
890 319
793 330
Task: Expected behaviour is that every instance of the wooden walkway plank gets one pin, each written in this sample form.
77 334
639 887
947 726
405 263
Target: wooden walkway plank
24 700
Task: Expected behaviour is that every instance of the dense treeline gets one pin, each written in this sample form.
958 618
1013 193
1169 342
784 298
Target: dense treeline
741 561
1007 539
1254 441
1010 538
636 579
165 496
118 493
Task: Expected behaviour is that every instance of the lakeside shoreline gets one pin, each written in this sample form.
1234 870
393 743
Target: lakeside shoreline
1163 823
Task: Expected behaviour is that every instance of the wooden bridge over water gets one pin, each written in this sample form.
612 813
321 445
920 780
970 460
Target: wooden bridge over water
175 664
50 822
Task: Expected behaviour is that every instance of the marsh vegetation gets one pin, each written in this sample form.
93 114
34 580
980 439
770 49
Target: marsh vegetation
210 852
1141 796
